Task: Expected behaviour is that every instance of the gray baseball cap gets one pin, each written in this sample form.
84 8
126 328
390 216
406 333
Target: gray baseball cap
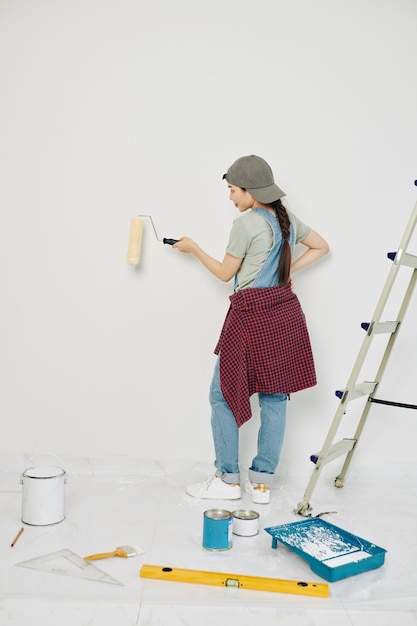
255 175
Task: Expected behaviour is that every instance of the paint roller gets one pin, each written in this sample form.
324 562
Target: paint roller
135 239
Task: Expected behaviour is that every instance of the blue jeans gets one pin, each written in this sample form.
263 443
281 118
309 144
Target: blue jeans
226 435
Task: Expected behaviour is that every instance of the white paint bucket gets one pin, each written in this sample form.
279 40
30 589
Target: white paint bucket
43 495
245 523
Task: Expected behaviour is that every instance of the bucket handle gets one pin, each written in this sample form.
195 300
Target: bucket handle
47 454
22 474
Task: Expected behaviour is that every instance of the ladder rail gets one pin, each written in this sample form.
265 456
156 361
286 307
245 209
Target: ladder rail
405 240
304 506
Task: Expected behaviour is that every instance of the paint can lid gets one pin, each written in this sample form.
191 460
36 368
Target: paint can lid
245 514
217 514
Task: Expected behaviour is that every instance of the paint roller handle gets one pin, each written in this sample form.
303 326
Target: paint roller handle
170 242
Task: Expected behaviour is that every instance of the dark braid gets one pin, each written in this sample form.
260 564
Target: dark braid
284 265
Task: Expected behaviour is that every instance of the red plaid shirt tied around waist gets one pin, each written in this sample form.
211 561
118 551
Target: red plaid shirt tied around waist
264 347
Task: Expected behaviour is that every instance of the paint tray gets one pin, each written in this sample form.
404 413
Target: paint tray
331 552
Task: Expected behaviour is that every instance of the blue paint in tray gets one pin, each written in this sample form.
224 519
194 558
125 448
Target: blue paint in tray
333 553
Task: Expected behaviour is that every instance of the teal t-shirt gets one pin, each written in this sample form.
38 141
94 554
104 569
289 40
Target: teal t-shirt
251 239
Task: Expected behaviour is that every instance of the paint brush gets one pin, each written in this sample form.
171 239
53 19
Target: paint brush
124 551
17 537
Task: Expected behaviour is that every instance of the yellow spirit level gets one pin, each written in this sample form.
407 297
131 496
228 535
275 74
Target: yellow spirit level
235 580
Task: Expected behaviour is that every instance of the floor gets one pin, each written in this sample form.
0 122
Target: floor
115 502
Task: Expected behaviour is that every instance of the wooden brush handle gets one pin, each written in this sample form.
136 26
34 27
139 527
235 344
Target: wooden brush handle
102 555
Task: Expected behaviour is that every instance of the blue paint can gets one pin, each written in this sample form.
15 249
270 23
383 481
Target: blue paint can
217 529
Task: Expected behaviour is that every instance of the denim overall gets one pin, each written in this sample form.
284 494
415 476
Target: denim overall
272 406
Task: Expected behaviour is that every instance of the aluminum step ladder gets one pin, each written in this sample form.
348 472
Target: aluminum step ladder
332 449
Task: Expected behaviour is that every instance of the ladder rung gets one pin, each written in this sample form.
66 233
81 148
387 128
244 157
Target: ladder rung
362 389
410 260
337 449
359 390
380 327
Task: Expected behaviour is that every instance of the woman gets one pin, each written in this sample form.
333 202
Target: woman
264 346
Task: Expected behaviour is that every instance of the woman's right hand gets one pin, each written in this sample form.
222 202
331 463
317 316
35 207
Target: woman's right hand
185 244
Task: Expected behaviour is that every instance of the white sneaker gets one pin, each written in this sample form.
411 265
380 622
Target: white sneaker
259 492
215 488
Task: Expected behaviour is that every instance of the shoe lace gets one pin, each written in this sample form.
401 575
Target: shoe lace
210 479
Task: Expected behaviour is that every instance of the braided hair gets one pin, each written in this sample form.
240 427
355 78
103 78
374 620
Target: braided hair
284 265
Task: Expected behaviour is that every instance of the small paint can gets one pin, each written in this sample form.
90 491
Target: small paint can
217 529
43 496
245 523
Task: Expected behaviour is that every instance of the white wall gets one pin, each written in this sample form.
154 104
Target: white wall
111 108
